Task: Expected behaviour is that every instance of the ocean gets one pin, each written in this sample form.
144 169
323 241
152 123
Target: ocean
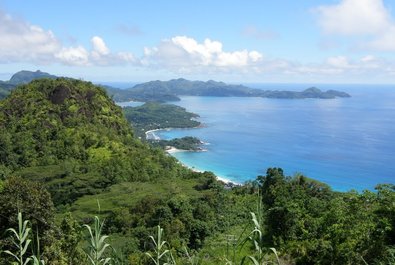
347 143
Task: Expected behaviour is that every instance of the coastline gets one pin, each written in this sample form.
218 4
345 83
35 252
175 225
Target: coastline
150 135
226 181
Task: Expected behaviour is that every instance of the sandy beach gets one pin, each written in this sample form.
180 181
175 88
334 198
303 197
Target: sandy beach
171 150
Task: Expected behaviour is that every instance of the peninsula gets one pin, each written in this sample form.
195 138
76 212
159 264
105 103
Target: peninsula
157 116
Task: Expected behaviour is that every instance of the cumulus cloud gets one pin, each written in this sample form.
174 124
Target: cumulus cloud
361 18
99 55
181 52
99 46
185 55
354 17
22 42
73 56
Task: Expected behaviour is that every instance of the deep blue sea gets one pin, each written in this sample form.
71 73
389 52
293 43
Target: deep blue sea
348 143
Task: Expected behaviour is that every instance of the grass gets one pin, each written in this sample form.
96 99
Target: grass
128 194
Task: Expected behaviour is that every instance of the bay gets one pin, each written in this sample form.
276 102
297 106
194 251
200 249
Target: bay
347 143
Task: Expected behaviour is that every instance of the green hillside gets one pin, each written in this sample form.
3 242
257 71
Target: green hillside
70 137
67 154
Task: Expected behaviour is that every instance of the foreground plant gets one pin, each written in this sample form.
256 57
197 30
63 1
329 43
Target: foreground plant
36 259
20 240
256 236
97 244
160 251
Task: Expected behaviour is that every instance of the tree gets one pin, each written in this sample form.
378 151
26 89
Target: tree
31 199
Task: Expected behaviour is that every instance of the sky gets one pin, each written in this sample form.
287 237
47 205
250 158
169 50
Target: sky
248 41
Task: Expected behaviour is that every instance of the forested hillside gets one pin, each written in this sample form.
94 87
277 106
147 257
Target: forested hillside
67 154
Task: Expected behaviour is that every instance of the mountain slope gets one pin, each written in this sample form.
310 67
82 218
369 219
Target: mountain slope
70 135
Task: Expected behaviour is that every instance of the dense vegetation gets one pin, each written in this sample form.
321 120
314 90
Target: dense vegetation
65 146
155 115
318 226
71 138
163 91
151 116
188 143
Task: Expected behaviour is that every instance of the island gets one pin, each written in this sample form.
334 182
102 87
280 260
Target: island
165 91
168 91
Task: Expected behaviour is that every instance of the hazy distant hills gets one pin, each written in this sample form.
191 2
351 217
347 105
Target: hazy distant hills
19 78
171 90
164 91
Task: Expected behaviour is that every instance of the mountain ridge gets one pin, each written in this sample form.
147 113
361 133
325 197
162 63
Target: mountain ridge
167 91
163 91
19 78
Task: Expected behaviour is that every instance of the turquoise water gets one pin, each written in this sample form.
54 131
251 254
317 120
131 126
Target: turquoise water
348 143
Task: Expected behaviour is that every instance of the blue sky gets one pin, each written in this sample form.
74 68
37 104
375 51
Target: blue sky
286 41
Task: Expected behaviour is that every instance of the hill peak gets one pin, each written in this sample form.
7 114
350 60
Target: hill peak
24 76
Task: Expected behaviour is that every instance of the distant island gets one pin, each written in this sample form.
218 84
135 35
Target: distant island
167 91
164 91
19 78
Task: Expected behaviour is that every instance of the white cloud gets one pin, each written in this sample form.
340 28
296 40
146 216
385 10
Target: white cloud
23 42
385 41
185 56
354 17
20 41
341 67
338 62
73 56
99 46
362 18
181 52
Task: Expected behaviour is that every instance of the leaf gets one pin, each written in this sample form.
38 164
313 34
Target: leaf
275 253
12 254
253 260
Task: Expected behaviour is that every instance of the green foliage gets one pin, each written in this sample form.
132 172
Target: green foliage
21 241
151 116
19 195
160 249
71 236
97 244
317 226
185 143
69 135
